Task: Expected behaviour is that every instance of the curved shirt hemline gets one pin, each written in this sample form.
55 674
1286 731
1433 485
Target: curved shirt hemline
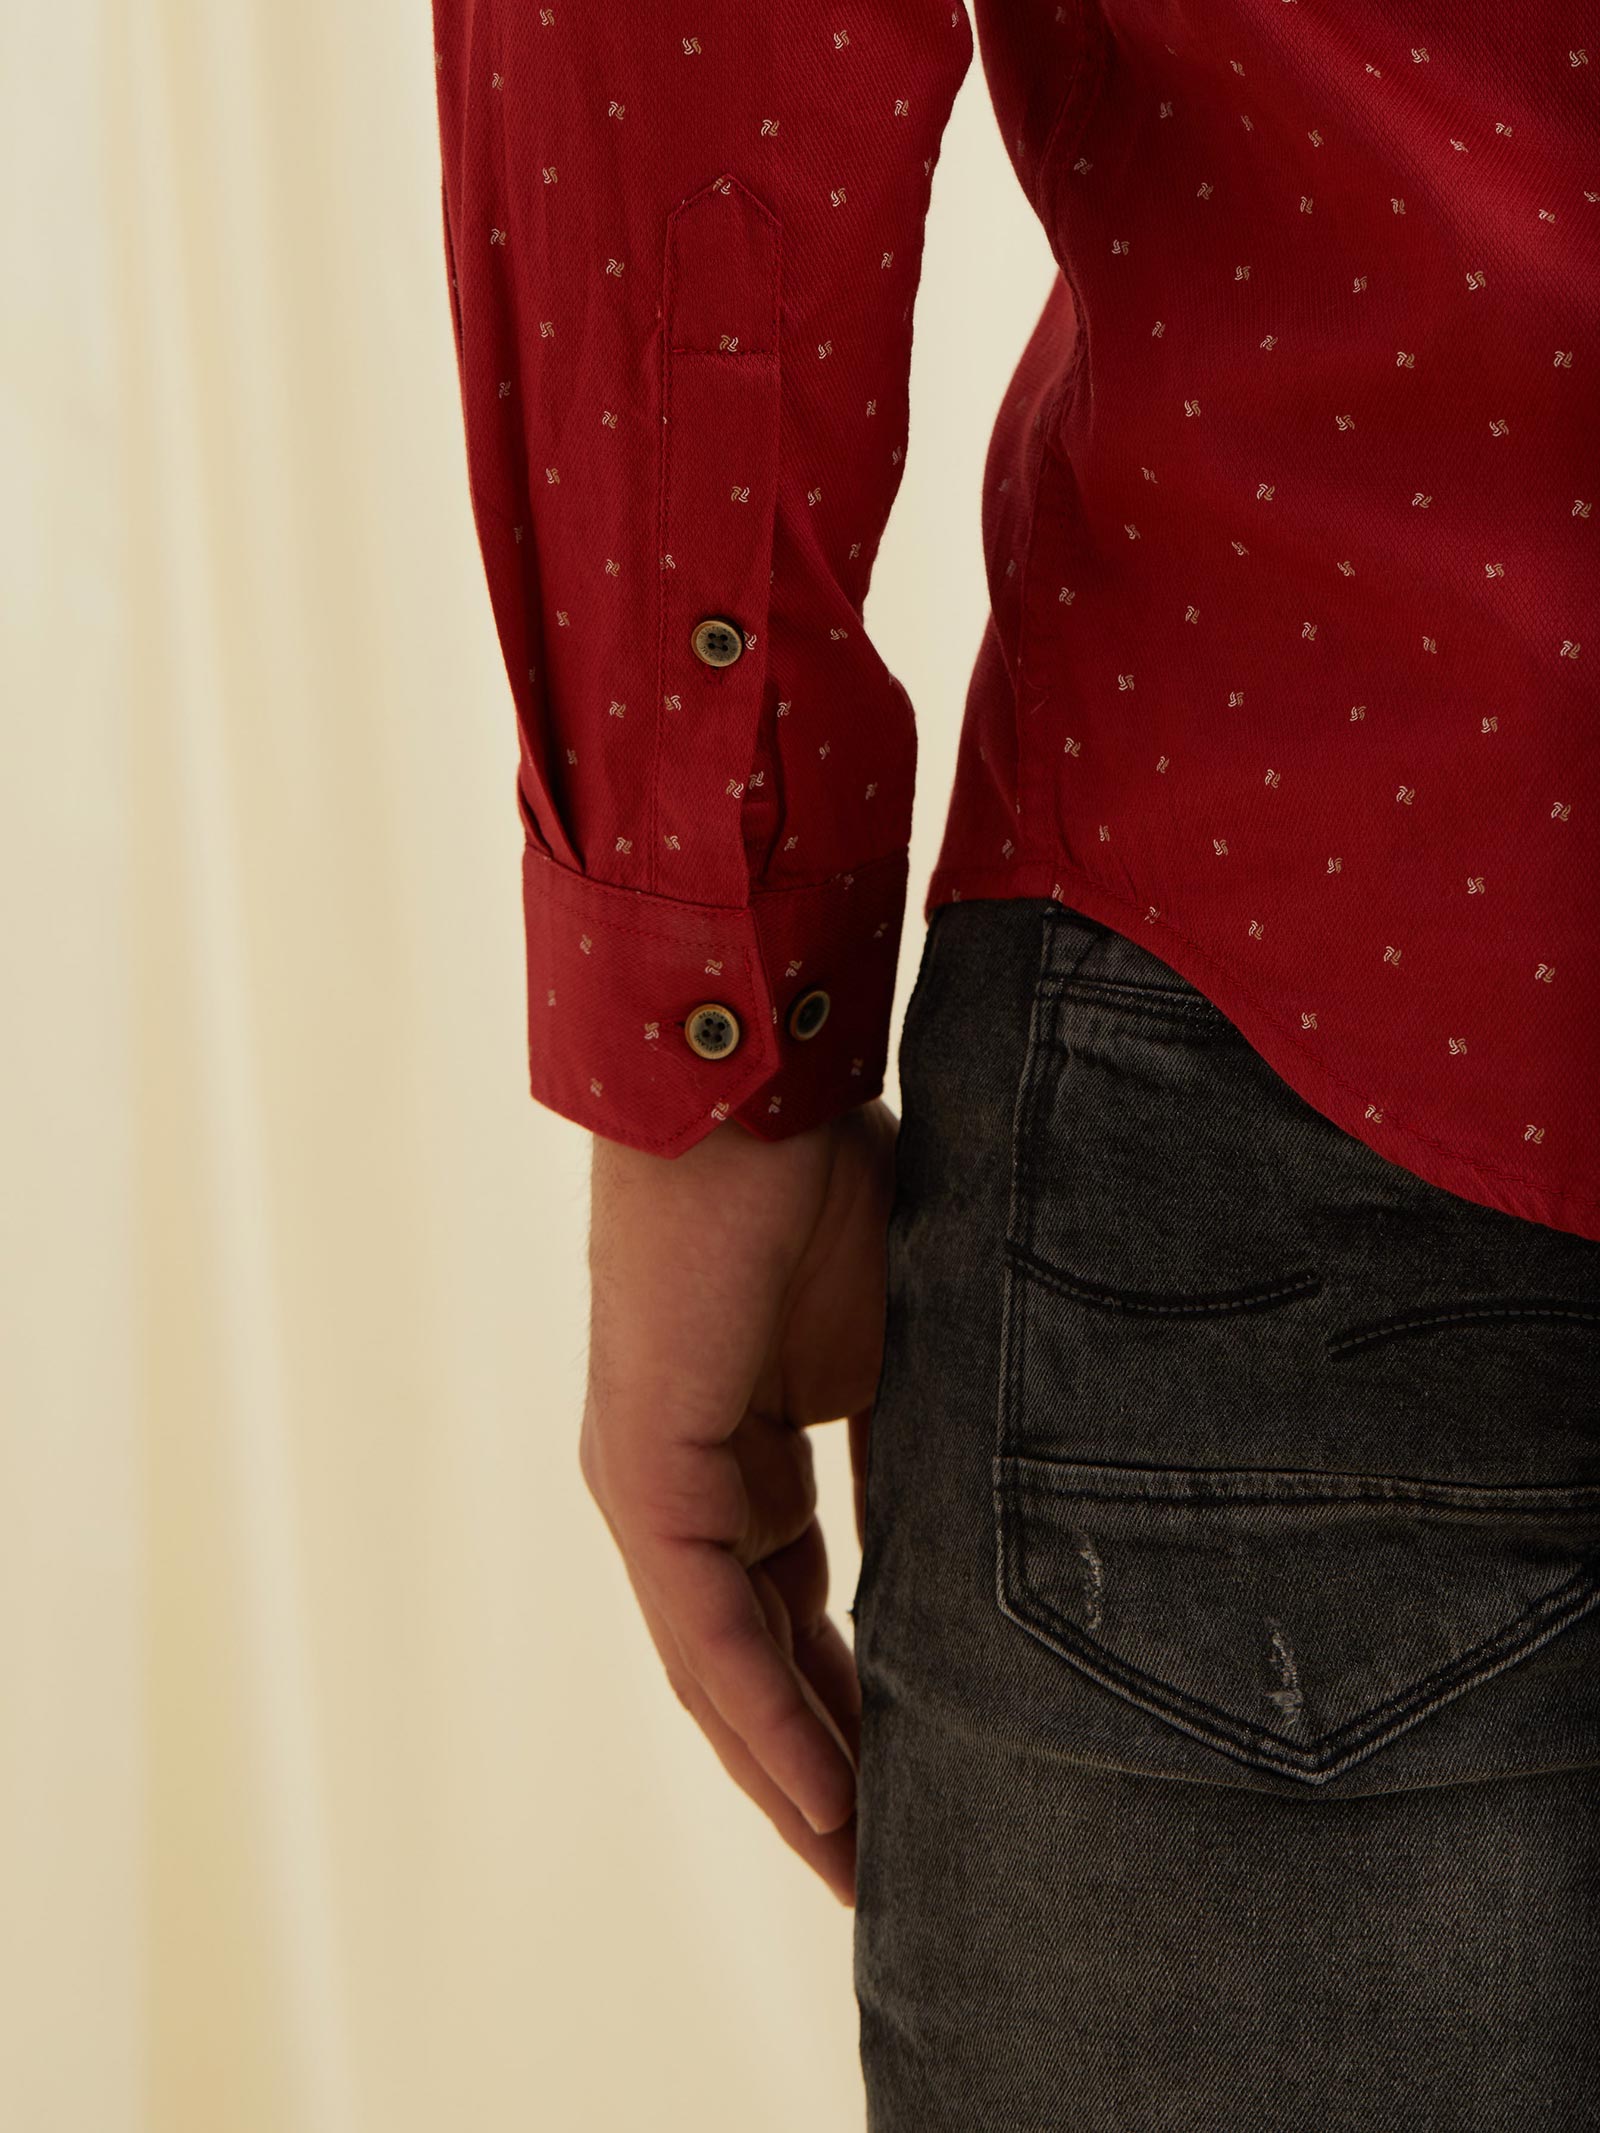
1574 1207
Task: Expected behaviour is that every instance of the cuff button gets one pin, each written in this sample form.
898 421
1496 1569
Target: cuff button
717 641
712 1030
809 1013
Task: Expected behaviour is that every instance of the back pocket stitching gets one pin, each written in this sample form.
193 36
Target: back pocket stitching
1240 1737
1157 1304
1485 1314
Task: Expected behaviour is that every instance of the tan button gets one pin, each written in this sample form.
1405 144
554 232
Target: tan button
712 1030
717 641
809 1013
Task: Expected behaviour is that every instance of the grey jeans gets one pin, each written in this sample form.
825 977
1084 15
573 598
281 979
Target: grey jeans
1229 1612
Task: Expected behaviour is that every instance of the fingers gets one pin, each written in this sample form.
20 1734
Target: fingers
793 1587
712 1608
831 1855
825 1657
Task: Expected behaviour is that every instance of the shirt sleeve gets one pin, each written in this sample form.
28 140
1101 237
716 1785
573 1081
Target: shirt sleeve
683 240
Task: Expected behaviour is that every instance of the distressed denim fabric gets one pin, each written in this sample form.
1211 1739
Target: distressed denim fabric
1229 1612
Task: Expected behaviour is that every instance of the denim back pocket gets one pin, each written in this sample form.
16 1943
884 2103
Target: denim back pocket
1295 1621
1196 1506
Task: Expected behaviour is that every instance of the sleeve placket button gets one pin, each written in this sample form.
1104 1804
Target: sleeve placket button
716 641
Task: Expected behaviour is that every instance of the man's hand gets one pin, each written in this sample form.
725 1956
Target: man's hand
737 1298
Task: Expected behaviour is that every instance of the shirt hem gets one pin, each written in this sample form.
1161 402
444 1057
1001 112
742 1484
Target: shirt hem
1574 1209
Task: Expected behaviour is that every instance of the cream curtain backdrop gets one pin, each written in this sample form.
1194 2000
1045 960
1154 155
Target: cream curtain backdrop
340 1789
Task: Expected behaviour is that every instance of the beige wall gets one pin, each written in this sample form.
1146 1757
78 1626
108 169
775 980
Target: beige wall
339 1788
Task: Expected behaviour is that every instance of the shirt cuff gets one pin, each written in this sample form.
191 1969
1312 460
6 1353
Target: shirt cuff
616 980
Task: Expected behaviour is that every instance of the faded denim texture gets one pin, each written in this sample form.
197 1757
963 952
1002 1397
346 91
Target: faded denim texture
1229 1612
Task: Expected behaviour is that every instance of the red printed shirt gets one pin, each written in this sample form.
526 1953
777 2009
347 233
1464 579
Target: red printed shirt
1291 517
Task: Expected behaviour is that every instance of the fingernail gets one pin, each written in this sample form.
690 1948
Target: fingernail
829 1824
